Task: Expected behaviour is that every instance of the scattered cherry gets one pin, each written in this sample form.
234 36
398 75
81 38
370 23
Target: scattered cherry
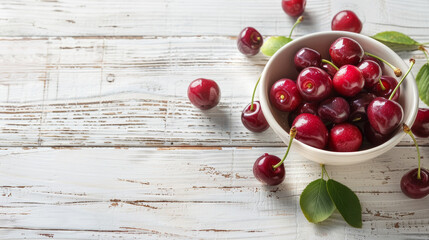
249 41
346 51
311 130
253 118
334 110
358 106
293 8
346 20
371 72
421 124
269 169
307 57
385 88
314 84
204 93
345 137
348 81
284 95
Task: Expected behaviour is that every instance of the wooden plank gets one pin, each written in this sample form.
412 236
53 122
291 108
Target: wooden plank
127 92
192 193
190 18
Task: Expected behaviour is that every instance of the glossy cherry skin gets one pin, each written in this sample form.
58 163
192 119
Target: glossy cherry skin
264 171
284 95
346 51
389 84
311 130
384 115
346 21
314 84
293 8
307 57
204 93
371 72
334 110
308 107
366 57
421 124
358 106
348 81
249 41
254 120
345 137
413 187
329 69
374 137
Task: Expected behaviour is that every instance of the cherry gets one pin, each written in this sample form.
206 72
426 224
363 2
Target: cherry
345 137
334 110
415 183
331 70
346 51
269 169
314 84
396 70
204 93
371 72
374 137
346 20
348 81
284 95
421 124
311 130
253 118
308 107
385 88
358 106
249 41
366 57
307 57
293 8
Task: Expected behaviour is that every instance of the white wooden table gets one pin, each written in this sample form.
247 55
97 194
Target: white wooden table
99 140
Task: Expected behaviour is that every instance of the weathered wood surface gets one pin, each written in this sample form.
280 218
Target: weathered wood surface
192 193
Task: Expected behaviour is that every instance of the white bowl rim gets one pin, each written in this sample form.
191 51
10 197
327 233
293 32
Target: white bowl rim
392 141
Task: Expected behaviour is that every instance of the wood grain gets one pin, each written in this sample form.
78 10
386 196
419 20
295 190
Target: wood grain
195 193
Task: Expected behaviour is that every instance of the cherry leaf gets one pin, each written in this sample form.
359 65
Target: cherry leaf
272 44
315 202
397 41
346 202
422 80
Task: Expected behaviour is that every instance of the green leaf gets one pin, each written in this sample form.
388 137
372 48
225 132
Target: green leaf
346 202
397 41
315 202
272 44
422 80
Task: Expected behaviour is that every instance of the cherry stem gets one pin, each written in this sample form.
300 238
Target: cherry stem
292 134
425 51
409 132
330 63
400 82
294 25
324 170
253 95
357 119
381 85
396 70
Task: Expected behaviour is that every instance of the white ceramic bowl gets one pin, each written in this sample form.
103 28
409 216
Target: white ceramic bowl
281 65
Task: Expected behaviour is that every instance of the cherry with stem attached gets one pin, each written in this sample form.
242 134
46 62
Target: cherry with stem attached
396 70
415 183
252 117
269 169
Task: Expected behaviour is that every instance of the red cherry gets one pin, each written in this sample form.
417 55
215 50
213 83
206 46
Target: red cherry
264 171
311 130
329 69
334 110
371 72
366 57
374 137
293 8
254 120
421 124
348 81
384 115
346 51
284 95
249 41
204 93
358 106
307 57
414 187
389 84
345 137
314 84
346 21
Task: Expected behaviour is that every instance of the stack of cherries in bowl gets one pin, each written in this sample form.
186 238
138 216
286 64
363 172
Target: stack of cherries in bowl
336 104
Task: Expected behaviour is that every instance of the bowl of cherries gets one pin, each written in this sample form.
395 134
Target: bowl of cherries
344 93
